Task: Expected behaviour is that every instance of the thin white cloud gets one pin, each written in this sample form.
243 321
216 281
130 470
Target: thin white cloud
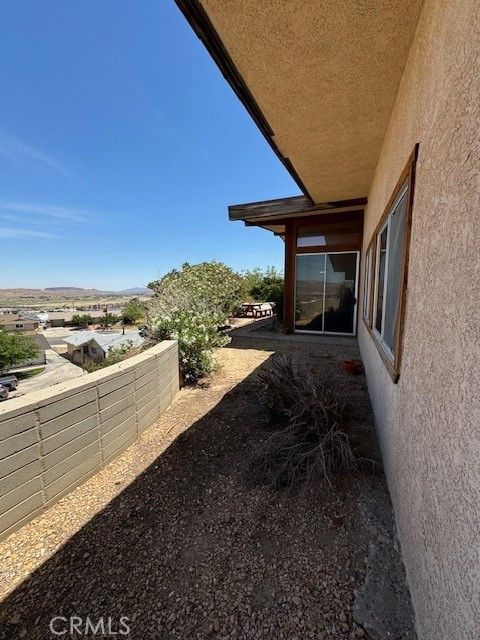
21 219
18 152
22 234
49 211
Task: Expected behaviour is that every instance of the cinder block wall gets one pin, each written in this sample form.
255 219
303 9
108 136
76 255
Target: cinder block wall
53 440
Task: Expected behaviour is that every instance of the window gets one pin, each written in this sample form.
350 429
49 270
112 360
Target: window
19 326
310 239
316 239
389 258
345 232
367 286
386 270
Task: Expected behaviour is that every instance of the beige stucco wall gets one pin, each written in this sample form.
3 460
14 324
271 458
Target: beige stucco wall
429 424
24 325
52 440
324 74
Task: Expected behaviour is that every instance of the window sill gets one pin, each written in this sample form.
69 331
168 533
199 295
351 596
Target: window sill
393 371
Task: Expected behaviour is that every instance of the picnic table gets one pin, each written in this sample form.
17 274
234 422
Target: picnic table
256 309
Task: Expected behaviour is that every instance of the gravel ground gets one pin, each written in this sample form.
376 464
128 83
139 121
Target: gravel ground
174 536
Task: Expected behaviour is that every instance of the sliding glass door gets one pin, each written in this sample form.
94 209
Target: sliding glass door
310 292
326 292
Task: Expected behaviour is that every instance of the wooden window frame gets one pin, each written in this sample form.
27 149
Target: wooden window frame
367 318
328 248
340 220
407 176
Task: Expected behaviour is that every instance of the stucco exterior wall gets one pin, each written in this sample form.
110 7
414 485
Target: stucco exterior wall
20 325
53 440
429 423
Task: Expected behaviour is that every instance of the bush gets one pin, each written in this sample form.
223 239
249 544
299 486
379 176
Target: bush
192 305
309 442
197 334
265 285
207 287
82 321
114 355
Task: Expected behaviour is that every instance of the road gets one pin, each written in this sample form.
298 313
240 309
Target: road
57 370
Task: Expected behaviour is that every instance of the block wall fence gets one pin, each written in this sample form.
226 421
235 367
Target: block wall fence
53 440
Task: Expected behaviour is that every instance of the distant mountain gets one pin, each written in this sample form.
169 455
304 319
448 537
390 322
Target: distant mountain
56 293
63 289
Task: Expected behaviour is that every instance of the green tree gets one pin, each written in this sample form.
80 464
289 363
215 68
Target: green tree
108 320
15 348
82 321
134 311
265 285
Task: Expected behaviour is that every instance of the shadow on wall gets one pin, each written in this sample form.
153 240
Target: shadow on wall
181 529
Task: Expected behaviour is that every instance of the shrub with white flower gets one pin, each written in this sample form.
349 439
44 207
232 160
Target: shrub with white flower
192 305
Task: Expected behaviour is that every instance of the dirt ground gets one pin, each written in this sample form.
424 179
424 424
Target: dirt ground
174 536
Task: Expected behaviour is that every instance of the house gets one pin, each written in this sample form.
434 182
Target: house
64 318
40 316
374 109
59 318
93 345
18 323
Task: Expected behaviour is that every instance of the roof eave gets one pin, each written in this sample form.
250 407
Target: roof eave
286 208
201 24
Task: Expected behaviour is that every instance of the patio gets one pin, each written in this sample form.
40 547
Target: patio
174 536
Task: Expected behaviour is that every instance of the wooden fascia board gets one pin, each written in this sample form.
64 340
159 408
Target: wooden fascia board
290 207
201 24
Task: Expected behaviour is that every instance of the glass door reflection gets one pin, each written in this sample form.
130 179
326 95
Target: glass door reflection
325 294
340 301
309 292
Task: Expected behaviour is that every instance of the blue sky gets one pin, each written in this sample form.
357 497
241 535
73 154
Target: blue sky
121 146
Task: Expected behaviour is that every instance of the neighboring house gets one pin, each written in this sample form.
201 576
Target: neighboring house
59 318
40 316
374 109
18 323
93 345
64 318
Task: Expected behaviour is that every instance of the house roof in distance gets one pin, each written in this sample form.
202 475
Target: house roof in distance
10 318
105 340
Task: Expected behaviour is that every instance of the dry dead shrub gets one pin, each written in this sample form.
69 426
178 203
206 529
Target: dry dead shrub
309 441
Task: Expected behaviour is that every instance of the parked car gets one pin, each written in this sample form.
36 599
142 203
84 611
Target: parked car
3 393
10 382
